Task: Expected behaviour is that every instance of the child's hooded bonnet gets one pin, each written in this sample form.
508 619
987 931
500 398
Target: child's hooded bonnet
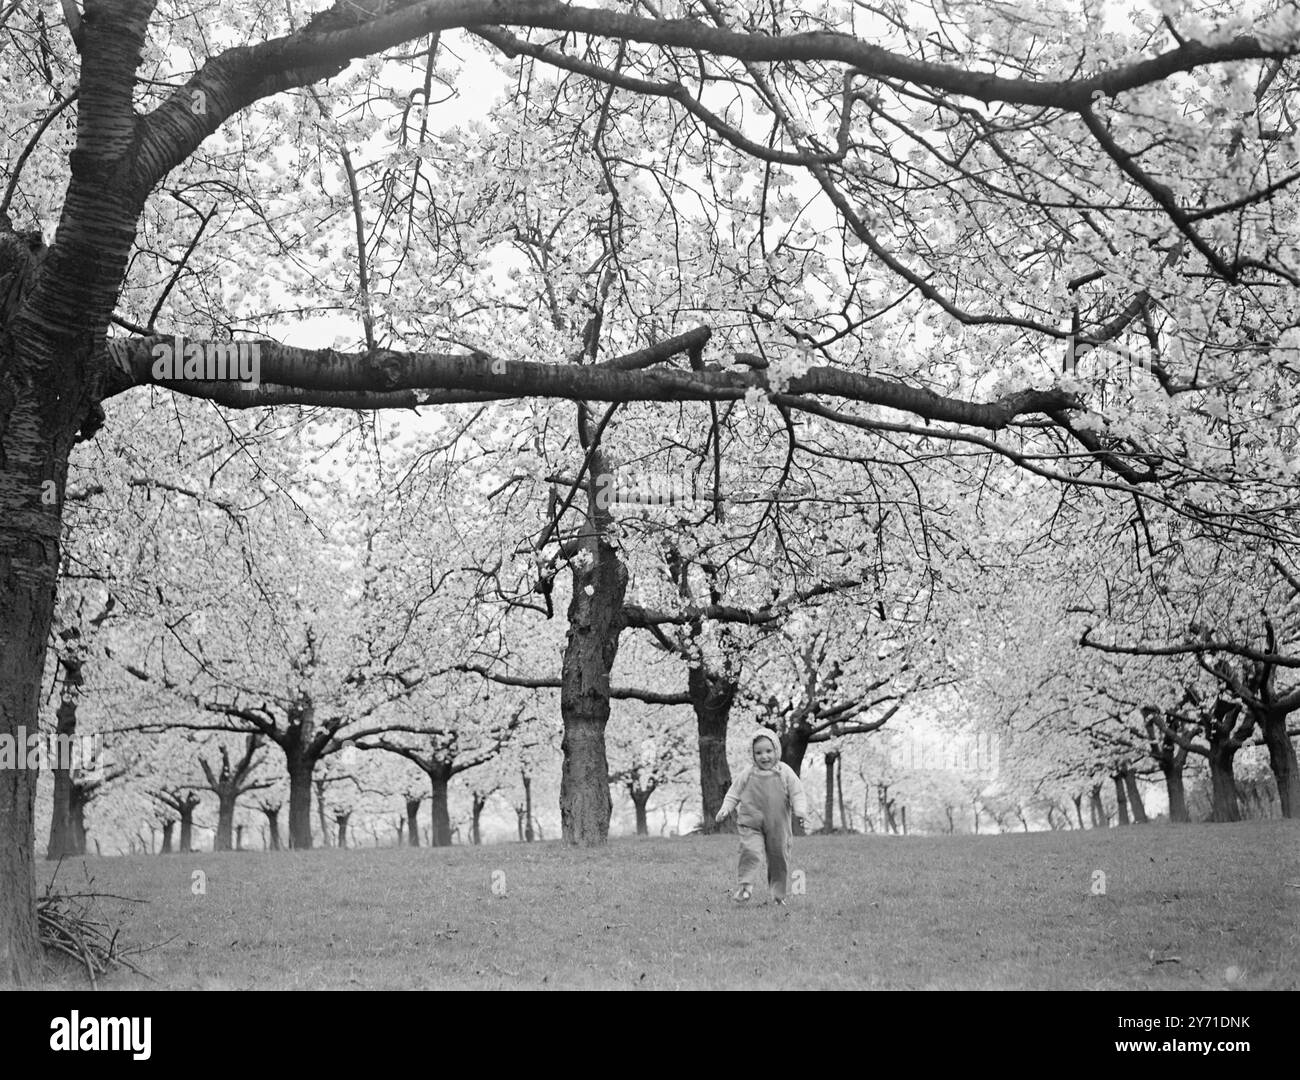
776 746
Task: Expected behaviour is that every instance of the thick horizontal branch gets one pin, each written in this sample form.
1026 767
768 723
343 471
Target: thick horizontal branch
650 697
240 76
1197 648
316 49
288 375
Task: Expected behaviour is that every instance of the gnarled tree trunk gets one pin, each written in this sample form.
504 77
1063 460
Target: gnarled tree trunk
711 698
1226 804
1282 760
1174 788
35 440
53 323
595 622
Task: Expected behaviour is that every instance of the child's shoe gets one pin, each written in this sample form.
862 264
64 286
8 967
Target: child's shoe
779 901
742 894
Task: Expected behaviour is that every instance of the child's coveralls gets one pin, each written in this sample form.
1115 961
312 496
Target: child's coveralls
763 799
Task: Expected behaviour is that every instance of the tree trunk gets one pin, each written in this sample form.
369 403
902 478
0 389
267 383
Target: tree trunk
61 843
29 559
845 824
273 823
902 814
1078 808
1226 805
519 822
1173 773
322 820
1220 728
300 772
49 391
595 622
1134 797
412 822
886 809
639 801
1282 760
169 827
712 696
476 814
1121 798
341 820
528 836
794 745
225 821
828 822
34 450
187 828
78 797
1096 810
239 838
440 835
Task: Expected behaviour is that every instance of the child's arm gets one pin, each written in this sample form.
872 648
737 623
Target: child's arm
794 789
732 798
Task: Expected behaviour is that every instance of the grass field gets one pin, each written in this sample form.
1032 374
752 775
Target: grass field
1194 906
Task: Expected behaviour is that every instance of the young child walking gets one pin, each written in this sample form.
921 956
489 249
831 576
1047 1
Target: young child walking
763 796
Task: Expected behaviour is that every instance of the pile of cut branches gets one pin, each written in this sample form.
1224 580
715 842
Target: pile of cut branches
71 923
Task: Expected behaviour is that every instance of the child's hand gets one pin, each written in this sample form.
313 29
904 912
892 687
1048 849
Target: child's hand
719 816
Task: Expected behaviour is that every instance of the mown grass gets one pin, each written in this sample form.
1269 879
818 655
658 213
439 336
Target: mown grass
1194 907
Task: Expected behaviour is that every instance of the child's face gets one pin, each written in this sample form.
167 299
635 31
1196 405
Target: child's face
764 754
